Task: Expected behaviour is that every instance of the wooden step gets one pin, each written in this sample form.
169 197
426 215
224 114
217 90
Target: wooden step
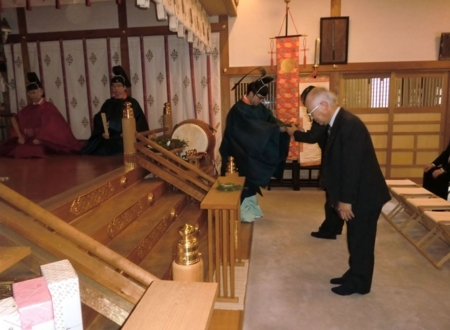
81 199
138 239
107 220
159 259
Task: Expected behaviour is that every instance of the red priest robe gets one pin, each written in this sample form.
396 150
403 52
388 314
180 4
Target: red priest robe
45 123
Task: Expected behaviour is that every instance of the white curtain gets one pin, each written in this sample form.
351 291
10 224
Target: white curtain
98 74
155 79
180 79
75 75
16 80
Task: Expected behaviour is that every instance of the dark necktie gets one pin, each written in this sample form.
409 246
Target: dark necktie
327 144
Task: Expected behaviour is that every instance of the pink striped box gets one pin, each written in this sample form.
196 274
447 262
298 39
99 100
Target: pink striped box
34 304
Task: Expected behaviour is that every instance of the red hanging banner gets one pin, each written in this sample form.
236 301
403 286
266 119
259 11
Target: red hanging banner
287 97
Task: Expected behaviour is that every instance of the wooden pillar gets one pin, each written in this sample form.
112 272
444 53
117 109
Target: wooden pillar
21 19
335 10
224 65
334 82
123 27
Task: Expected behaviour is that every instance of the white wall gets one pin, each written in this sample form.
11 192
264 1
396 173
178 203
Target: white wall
380 30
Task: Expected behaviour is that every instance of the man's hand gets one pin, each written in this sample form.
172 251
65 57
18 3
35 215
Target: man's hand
345 211
428 167
36 141
291 129
20 140
105 136
438 172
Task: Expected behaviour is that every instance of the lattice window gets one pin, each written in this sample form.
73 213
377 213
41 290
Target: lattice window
418 91
366 93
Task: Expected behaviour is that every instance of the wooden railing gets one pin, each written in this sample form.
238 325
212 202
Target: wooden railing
64 241
224 233
172 168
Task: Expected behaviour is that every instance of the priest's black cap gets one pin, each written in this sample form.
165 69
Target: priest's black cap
120 76
305 93
259 86
33 81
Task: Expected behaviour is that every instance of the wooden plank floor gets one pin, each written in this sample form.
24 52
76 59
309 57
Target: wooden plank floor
40 179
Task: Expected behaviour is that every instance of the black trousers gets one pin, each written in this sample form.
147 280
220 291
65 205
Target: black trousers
361 234
438 186
333 223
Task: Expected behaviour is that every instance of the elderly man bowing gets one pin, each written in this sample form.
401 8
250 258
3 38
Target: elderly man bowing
355 186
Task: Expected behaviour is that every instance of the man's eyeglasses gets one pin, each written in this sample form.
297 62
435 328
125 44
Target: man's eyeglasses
261 98
310 112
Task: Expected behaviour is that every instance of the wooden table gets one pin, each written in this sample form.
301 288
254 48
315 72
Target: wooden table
174 305
224 232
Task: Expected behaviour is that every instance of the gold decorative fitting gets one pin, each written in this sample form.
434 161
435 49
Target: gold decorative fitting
231 166
173 213
225 70
85 202
123 181
187 246
167 108
287 65
150 197
128 110
191 153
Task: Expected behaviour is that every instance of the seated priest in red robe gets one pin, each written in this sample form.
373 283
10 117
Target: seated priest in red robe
41 130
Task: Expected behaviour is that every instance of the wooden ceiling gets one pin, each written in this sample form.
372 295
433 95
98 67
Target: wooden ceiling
220 7
212 7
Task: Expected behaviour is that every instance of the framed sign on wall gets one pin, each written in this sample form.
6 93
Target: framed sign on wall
334 40
444 47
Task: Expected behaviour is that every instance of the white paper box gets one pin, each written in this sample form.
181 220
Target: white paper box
62 282
9 315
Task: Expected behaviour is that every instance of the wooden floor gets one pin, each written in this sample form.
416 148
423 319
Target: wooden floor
40 179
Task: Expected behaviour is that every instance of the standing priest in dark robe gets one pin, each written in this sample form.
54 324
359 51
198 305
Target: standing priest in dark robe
39 129
106 138
257 141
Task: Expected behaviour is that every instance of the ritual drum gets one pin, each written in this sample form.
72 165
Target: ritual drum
198 135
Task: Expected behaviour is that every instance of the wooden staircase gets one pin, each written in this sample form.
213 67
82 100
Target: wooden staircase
118 231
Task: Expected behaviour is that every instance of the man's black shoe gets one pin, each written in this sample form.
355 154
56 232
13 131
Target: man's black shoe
337 280
319 234
342 290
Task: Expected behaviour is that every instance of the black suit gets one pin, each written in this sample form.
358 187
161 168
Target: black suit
439 186
352 175
332 224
